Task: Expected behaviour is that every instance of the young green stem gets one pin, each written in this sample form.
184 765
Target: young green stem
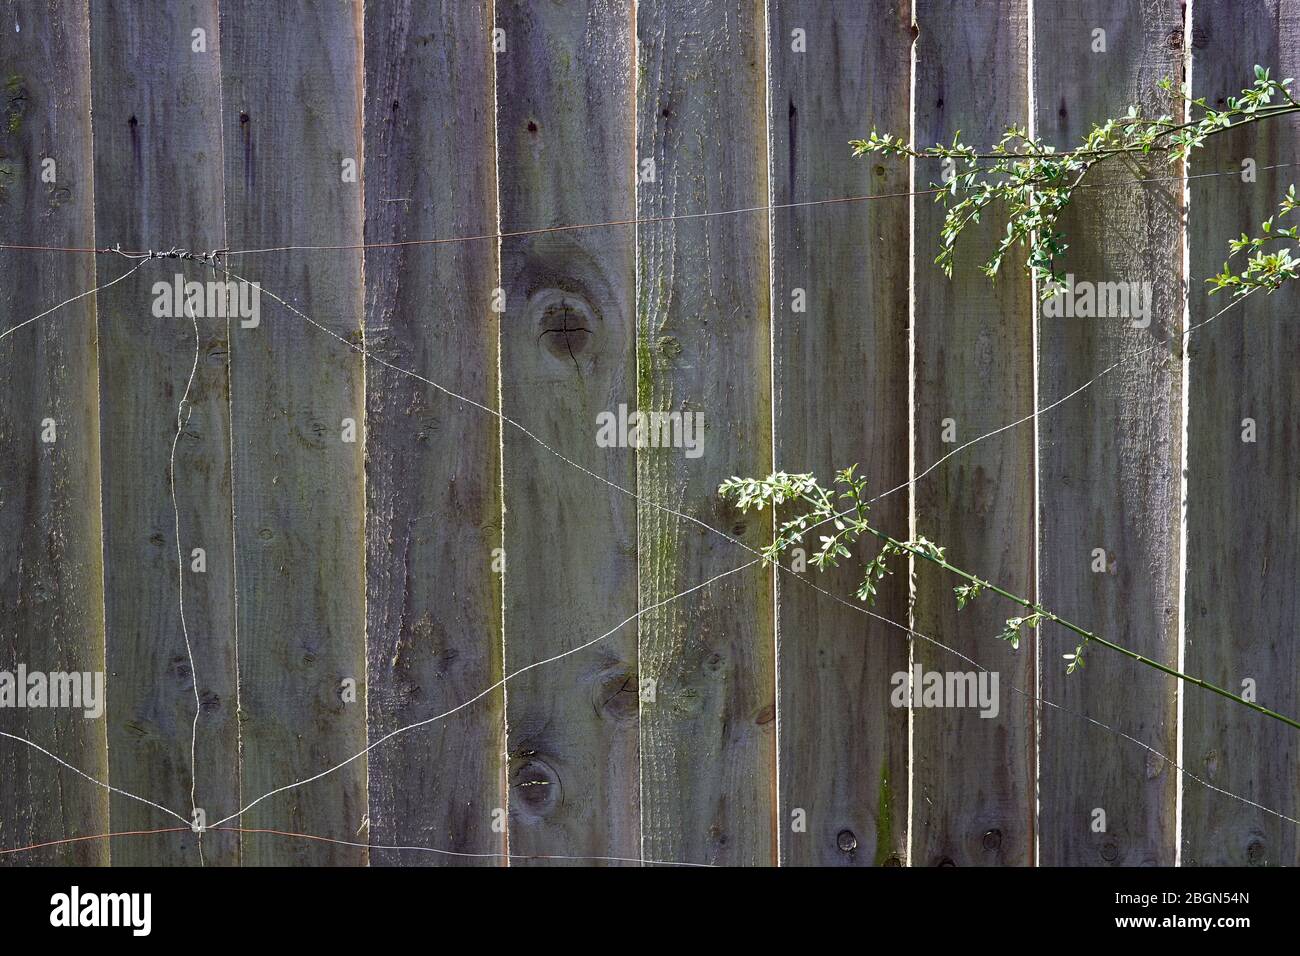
1266 112
1087 635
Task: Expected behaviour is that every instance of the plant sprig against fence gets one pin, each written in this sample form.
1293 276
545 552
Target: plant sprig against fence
433 611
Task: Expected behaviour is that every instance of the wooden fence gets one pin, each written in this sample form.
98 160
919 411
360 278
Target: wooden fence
524 610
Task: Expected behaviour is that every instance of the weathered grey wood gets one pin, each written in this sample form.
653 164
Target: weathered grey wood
432 478
973 776
840 373
703 346
242 145
1241 612
157 126
565 117
291 90
1109 458
51 575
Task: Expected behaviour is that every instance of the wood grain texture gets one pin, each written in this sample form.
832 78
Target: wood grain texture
703 346
1109 457
1241 611
432 462
292 114
840 372
158 172
565 118
51 572
377 559
973 776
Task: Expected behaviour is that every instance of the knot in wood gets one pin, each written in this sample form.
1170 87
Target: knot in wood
566 327
535 787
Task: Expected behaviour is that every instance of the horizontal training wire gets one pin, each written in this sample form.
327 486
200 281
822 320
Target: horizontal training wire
654 220
649 220
91 837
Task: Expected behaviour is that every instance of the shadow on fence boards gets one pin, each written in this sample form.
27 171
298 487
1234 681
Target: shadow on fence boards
371 562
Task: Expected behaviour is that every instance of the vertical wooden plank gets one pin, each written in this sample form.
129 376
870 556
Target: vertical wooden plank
299 496
432 479
1109 457
973 775
1241 611
51 581
840 370
158 169
565 118
703 347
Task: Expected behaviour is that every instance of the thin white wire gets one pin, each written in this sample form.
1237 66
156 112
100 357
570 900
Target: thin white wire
483 693
80 295
183 412
505 419
23 740
97 782
1060 401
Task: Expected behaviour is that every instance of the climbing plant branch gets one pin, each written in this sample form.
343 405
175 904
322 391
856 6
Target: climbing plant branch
1032 182
1264 270
843 510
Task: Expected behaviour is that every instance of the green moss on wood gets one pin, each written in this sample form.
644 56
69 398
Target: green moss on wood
16 103
884 818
